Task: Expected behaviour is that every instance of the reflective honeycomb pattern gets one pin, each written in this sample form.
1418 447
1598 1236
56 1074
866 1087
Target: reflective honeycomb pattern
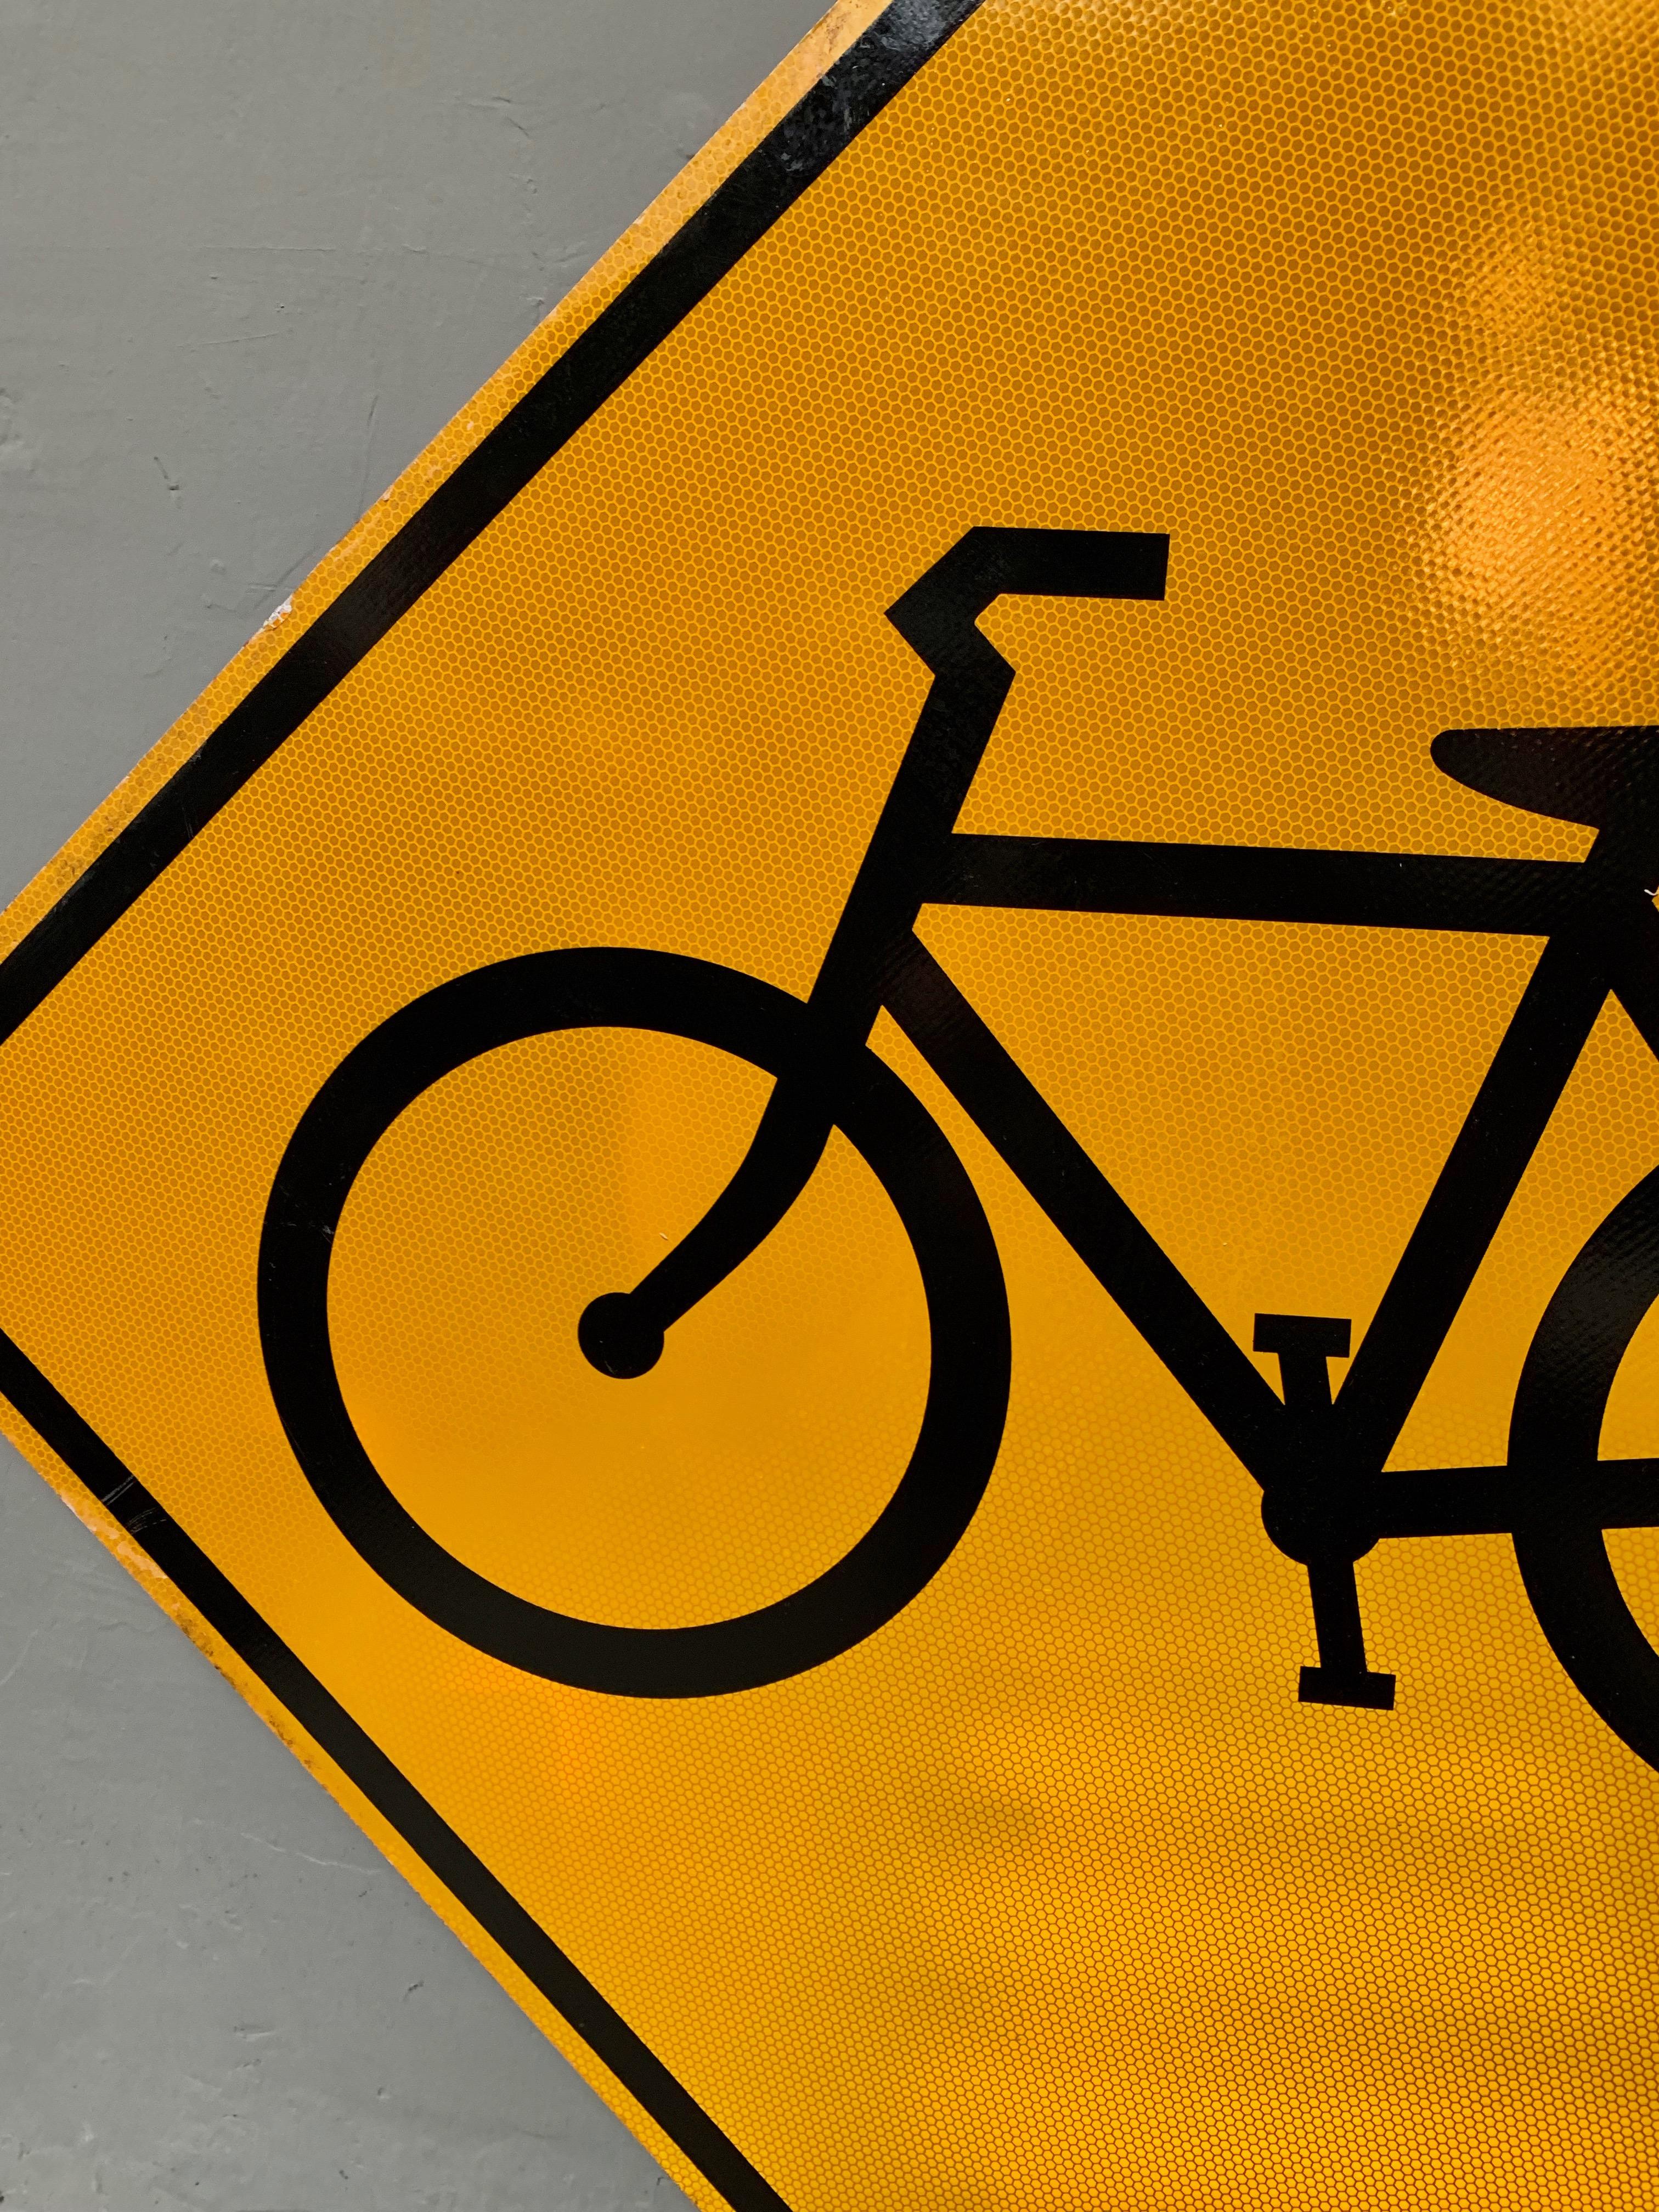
1051 1892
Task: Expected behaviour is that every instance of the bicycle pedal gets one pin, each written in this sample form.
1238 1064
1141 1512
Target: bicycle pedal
1326 1685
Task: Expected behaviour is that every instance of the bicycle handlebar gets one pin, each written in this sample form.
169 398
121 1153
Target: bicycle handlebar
936 617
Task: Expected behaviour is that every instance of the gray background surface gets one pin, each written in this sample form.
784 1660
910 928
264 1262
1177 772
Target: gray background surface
252 257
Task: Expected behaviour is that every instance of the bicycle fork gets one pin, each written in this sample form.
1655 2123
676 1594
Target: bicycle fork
1310 1514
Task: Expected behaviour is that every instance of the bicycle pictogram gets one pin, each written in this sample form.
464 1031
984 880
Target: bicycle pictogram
1319 1455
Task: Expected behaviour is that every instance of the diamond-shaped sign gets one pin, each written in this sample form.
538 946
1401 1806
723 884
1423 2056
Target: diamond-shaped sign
856 1172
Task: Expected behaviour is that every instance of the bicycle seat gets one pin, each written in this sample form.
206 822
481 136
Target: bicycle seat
1593 776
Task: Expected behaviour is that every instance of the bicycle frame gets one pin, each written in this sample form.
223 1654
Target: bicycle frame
1318 1457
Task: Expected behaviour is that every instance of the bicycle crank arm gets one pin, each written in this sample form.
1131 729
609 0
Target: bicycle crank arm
1342 1677
1316 1518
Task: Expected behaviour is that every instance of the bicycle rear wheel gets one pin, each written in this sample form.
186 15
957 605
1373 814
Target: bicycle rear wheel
1556 1427
960 1428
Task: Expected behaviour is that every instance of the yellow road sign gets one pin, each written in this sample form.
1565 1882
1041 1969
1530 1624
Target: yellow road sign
859 1172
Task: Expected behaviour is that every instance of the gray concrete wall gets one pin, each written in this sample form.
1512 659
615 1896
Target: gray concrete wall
251 256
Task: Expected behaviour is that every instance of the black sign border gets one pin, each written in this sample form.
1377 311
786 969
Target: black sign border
763 186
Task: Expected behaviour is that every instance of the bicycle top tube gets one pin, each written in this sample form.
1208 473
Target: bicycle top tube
917 857
1254 883
1606 779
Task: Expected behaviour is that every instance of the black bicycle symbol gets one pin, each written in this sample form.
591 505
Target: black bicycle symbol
1319 1459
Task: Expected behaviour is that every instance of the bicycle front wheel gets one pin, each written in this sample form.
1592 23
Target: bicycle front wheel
1555 1430
961 1429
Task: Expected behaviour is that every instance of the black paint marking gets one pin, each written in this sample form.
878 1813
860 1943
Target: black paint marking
1554 1495
537 996
763 186
1250 883
1554 1433
327 1722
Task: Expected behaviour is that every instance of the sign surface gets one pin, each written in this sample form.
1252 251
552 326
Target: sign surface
859 1172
